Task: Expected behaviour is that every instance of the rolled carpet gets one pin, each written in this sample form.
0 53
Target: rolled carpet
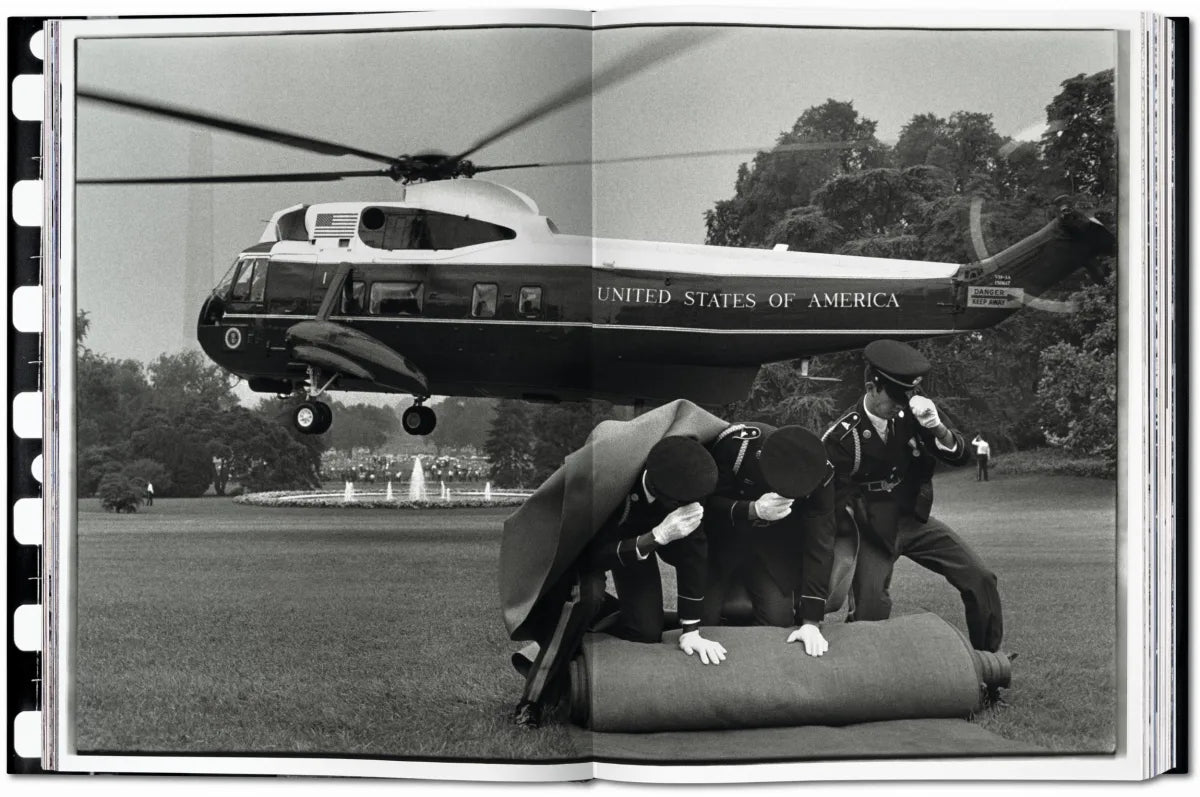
911 667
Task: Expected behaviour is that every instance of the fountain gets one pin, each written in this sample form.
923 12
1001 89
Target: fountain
487 491
416 482
349 494
389 491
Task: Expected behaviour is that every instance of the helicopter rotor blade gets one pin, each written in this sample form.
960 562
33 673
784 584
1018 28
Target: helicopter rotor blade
648 54
231 126
781 149
293 177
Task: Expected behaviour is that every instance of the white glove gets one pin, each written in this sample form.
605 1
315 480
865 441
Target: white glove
810 635
710 651
925 412
772 507
680 523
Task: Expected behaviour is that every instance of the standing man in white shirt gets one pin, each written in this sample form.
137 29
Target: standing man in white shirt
983 452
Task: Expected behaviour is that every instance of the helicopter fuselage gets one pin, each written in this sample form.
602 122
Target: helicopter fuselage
478 293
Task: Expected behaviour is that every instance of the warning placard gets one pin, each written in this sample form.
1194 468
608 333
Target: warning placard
997 298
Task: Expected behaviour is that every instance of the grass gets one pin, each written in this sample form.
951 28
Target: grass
209 627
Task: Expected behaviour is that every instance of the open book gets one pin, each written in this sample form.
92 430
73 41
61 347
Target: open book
364 333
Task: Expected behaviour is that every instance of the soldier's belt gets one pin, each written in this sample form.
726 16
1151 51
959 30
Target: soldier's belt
880 486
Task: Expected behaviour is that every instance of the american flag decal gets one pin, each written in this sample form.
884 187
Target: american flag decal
336 225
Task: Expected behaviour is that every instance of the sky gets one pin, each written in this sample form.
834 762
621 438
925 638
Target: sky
147 255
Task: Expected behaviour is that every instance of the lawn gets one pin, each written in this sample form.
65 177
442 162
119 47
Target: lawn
205 626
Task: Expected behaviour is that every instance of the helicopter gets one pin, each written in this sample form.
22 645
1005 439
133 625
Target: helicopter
461 286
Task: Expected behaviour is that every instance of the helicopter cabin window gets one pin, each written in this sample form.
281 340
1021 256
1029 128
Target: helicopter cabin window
483 300
409 228
530 301
352 297
258 283
396 298
289 288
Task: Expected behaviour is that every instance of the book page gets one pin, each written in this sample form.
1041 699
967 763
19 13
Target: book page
801 190
358 634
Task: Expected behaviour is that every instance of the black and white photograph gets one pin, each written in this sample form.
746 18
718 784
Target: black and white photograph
532 392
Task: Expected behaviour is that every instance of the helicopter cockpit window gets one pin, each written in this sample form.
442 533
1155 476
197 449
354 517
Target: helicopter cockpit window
226 282
483 300
530 301
396 298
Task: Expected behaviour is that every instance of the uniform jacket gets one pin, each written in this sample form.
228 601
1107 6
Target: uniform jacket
615 546
544 538
797 551
891 478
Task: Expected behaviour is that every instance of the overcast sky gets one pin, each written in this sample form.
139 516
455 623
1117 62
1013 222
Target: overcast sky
403 92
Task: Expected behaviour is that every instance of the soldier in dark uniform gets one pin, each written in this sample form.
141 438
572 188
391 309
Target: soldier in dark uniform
660 518
770 525
884 450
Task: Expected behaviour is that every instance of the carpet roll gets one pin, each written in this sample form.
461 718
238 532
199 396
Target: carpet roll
910 667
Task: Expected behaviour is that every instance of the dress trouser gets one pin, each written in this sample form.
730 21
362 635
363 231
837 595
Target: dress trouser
934 546
731 563
981 463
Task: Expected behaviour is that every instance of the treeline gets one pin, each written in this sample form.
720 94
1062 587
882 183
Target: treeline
1040 378
177 424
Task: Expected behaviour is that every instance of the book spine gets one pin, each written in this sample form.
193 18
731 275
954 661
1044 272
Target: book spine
26 558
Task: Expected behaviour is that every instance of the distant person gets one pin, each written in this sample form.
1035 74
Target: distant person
983 453
884 450
149 494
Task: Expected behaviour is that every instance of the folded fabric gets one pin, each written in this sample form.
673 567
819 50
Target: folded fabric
911 667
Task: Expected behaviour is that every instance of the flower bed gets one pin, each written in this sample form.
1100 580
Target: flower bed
298 498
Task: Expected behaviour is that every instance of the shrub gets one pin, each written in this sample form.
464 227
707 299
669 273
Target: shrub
119 493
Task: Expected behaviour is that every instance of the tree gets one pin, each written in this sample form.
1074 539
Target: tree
177 441
278 413
1080 140
966 145
256 452
149 471
119 493
188 378
1078 386
463 422
783 180
560 429
510 444
362 426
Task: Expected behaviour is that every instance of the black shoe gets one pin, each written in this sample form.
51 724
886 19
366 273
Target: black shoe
993 698
527 715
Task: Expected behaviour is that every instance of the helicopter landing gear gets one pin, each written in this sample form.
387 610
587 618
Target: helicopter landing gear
419 419
311 416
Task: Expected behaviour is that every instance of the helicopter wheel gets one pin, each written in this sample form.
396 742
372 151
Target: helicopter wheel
312 417
419 420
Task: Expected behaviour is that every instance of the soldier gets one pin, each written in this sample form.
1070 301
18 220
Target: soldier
660 518
770 526
884 450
